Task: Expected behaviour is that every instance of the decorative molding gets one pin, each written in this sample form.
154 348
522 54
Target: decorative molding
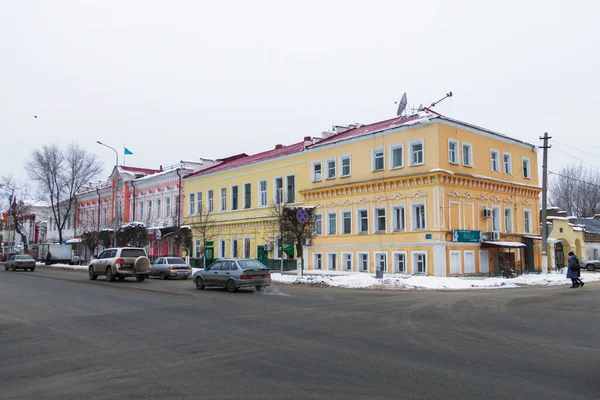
379 198
361 200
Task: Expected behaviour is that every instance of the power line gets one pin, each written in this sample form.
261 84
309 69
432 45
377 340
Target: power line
575 148
573 179
579 159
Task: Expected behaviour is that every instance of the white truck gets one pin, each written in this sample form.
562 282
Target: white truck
59 254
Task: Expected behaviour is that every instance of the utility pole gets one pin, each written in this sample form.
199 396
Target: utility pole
544 202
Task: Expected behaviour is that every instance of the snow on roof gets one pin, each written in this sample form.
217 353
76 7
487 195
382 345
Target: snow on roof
505 244
441 170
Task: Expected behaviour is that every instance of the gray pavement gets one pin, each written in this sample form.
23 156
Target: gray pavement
62 336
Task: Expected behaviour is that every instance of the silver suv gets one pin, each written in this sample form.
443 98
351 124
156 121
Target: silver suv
119 263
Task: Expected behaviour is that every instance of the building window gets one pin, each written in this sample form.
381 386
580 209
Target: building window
496 219
316 171
363 262
158 208
419 263
141 212
234 248
210 201
278 190
400 263
331 169
318 224
378 160
331 223
149 209
318 260
381 261
527 221
347 261
508 220
467 155
363 221
346 222
507 161
222 247
246 247
247 195
200 207
399 219
418 216
417 152
397 156
223 199
526 168
234 197
192 211
452 151
332 261
494 160
346 166
168 207
263 193
380 223
291 189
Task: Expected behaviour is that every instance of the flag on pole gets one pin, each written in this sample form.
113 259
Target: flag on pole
127 151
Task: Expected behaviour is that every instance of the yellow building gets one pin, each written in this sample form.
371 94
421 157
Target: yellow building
423 194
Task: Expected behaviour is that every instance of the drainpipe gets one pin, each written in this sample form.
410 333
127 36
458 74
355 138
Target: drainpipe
134 201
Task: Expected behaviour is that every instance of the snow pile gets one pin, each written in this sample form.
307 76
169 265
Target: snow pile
396 281
65 266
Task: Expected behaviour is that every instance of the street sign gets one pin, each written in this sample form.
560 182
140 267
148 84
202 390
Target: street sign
467 236
302 215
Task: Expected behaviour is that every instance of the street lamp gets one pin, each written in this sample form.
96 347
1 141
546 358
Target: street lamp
115 197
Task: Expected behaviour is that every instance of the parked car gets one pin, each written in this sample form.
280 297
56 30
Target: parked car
6 256
119 263
170 267
24 262
233 274
591 265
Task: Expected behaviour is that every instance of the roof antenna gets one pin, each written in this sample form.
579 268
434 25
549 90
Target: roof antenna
402 105
449 94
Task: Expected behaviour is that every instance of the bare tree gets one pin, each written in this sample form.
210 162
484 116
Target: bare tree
204 226
291 230
14 198
59 175
576 190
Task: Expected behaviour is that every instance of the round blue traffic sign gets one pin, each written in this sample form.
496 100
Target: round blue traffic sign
302 215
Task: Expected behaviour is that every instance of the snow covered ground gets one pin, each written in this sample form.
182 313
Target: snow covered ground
63 266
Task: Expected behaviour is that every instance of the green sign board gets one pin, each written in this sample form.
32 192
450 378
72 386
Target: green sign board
467 236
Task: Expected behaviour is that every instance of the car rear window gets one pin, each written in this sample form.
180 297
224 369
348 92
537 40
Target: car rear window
133 253
175 261
24 258
251 264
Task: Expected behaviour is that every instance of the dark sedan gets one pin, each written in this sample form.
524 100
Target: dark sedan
233 274
24 262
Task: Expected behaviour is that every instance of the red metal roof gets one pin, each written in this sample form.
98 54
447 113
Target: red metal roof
137 169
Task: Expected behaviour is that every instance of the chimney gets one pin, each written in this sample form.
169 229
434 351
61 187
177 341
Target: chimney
307 138
160 168
278 146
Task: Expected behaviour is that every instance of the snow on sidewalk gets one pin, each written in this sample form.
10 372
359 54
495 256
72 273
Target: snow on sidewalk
63 266
367 281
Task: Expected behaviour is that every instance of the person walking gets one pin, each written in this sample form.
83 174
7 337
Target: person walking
574 271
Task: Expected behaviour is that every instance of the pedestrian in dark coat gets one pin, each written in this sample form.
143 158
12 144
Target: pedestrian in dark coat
574 271
48 258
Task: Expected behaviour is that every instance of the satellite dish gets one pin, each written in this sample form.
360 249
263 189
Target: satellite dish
402 105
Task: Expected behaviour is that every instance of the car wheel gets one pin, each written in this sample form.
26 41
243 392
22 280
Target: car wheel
163 276
140 278
32 269
590 267
231 286
259 288
121 278
6 268
110 277
91 274
200 283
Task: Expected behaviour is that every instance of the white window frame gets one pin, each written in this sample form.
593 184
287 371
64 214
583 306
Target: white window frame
497 218
497 153
263 198
347 256
199 204
395 258
528 169
211 200
342 221
469 154
282 199
318 216
237 206
359 259
329 256
329 225
342 158
313 171
413 216
509 223
527 222
376 255
413 256
159 207
376 219
246 206
168 206
396 228
358 220
455 152
374 159
507 168
223 200
460 262
237 248
330 169
400 147
411 151
316 258
192 206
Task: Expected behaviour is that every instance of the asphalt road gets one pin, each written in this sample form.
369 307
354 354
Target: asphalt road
62 336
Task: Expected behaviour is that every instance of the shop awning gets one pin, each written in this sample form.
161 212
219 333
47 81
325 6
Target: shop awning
485 245
74 240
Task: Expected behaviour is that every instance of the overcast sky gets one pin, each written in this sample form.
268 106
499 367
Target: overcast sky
174 80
